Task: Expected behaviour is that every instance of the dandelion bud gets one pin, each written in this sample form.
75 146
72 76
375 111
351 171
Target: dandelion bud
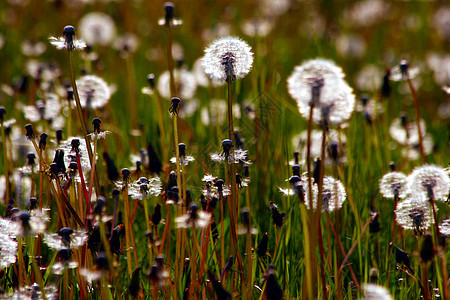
59 160
65 233
245 214
31 157
154 164
29 131
374 226
392 166
316 172
125 174
59 136
2 113
213 203
238 180
203 201
214 231
182 149
273 290
246 171
239 142
156 216
219 184
69 33
69 94
261 250
151 80
427 251
135 283
96 122
53 170
364 100
334 150
175 103
33 203
404 69
402 258
296 170
64 254
75 144
277 217
221 293
403 119
226 146
386 87
101 202
113 173
373 274
173 194
296 157
172 181
169 9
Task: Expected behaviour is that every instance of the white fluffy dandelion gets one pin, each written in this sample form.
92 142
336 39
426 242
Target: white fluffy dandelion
94 91
430 180
394 184
375 292
414 213
185 81
227 57
319 82
333 195
97 28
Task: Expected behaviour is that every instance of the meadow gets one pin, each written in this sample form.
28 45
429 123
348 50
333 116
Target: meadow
271 149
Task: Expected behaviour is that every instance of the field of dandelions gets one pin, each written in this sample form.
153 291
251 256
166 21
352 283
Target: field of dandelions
271 149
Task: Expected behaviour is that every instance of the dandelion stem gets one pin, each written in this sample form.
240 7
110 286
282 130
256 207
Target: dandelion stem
82 120
91 183
127 227
6 164
419 129
162 130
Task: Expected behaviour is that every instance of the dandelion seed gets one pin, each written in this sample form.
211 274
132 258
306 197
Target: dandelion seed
66 238
333 195
430 181
94 92
414 213
393 185
194 218
68 41
375 292
97 28
227 58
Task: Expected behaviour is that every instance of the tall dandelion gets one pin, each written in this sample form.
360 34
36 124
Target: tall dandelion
228 59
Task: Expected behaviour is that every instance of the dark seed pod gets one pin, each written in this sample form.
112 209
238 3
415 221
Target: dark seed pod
221 293
174 106
296 157
246 171
75 143
427 251
316 172
169 10
277 217
65 233
386 89
126 175
273 290
31 159
43 141
96 122
296 170
156 216
64 254
402 258
239 142
69 32
151 80
261 250
154 164
101 261
227 145
214 231
245 215
29 131
116 236
2 113
59 136
135 283
33 203
113 173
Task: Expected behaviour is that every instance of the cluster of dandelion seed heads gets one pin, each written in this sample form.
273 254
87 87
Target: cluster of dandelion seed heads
94 92
428 178
320 82
225 55
413 213
394 184
70 156
333 194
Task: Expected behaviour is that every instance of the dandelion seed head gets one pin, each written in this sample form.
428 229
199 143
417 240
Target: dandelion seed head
70 154
333 195
184 80
392 184
8 249
57 241
444 227
375 292
369 78
94 91
257 27
441 23
428 179
97 28
414 213
144 187
227 57
350 45
406 133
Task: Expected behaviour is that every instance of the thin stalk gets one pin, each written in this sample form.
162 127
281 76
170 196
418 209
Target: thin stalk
93 173
147 223
127 229
6 163
82 120
419 129
425 292
173 91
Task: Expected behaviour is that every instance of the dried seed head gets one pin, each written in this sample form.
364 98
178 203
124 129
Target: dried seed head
96 122
151 80
427 251
59 136
227 145
169 10
175 103
126 174
296 170
182 149
29 131
2 113
113 173
31 159
75 144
